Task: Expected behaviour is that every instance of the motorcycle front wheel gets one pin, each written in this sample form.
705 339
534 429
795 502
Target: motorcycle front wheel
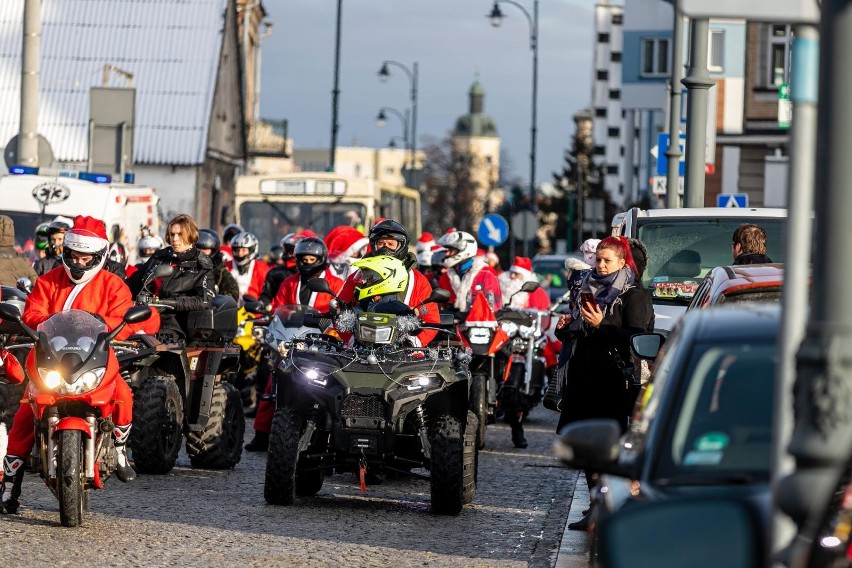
71 478
479 406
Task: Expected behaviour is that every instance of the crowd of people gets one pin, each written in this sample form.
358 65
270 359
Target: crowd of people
78 268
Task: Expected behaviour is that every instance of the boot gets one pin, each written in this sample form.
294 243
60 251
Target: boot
124 472
518 435
13 469
260 443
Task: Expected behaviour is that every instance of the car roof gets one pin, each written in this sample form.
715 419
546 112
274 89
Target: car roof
727 279
689 212
732 322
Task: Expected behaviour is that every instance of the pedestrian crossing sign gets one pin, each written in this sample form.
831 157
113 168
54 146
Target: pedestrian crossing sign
732 200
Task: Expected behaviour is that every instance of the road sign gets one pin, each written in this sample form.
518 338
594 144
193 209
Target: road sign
663 161
785 106
524 225
492 230
659 185
786 11
732 200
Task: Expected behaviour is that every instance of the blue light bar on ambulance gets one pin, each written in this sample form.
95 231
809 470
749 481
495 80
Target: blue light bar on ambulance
23 170
97 178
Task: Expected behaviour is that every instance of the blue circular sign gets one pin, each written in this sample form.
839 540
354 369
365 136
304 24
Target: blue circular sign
493 230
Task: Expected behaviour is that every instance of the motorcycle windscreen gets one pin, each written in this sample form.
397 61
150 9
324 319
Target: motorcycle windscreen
72 331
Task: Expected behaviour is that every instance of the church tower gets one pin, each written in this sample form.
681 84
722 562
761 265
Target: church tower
476 159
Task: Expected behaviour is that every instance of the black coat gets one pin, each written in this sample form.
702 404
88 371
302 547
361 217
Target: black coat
276 275
752 259
191 285
595 385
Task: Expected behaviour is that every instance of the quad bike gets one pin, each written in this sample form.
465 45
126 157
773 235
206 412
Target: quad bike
375 406
180 391
72 371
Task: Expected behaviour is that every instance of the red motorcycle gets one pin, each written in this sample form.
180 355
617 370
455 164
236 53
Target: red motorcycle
72 370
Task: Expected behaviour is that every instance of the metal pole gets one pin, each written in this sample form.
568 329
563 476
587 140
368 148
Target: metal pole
335 93
797 245
533 129
413 145
698 82
580 202
823 394
629 139
30 56
673 153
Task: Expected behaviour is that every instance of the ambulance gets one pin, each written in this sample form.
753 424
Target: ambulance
31 197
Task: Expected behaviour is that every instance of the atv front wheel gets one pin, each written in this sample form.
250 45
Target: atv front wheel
220 444
447 467
157 425
479 406
280 486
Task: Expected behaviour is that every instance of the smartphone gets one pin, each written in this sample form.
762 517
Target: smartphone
587 297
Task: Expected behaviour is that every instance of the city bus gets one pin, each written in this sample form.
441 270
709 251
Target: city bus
271 206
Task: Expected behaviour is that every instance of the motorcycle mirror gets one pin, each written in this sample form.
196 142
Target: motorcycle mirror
252 306
248 299
438 295
530 286
9 312
163 271
334 304
24 284
137 314
319 285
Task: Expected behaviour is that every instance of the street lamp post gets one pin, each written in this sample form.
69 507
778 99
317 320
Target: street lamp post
335 93
382 119
384 75
496 17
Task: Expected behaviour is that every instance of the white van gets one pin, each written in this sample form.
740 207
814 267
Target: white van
685 244
33 199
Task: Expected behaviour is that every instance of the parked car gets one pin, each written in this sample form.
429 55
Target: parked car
743 283
702 426
551 271
685 244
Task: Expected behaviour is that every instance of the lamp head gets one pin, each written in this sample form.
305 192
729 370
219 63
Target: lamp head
496 16
381 118
384 72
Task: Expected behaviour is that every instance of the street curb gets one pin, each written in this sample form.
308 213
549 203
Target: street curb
574 546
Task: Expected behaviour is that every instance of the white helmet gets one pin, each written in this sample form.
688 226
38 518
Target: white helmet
462 242
148 243
244 240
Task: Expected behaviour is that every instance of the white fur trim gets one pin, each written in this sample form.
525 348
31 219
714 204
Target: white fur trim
87 242
523 271
576 264
355 247
462 286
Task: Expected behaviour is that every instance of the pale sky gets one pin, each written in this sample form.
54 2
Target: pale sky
452 41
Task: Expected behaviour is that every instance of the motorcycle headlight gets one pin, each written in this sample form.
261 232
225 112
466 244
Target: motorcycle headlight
509 327
422 382
527 331
314 377
479 335
87 381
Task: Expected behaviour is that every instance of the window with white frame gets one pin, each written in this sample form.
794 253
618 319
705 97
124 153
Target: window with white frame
780 45
716 53
655 56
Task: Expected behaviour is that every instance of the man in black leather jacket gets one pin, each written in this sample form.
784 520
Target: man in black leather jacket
189 288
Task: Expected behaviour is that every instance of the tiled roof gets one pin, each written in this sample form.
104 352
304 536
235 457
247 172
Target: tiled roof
171 46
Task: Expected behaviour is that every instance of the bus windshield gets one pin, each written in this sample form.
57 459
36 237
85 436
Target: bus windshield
269 221
682 251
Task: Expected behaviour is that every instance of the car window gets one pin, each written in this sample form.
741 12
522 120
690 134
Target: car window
682 251
551 273
758 295
702 296
722 423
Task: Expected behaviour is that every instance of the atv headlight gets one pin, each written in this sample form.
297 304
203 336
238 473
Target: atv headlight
378 334
527 331
85 382
422 382
509 327
314 377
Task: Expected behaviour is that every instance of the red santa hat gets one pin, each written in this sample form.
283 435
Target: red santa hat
308 233
425 242
523 266
88 235
343 242
480 252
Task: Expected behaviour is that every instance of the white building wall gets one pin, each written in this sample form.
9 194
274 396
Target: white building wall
175 186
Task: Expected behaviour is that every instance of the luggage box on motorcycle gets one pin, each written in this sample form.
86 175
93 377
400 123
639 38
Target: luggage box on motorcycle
218 323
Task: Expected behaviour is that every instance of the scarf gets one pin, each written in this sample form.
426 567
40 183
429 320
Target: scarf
607 288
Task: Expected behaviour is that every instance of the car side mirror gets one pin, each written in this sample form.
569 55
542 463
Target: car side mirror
530 286
137 314
589 444
319 285
647 345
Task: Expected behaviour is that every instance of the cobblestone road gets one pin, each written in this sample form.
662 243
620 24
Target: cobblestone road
207 518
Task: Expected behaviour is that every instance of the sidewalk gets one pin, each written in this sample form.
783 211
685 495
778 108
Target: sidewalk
574 548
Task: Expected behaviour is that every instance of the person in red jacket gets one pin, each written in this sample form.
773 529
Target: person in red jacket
391 239
311 262
79 284
467 273
249 272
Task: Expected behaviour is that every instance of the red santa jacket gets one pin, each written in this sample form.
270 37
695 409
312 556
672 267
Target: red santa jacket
106 295
258 270
288 293
416 292
480 278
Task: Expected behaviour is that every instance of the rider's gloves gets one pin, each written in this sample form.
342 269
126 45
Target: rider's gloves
171 302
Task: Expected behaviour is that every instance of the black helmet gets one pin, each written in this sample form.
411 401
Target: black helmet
276 253
389 228
312 246
208 240
288 243
231 231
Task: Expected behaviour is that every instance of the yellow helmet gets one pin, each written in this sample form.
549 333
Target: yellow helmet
380 275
